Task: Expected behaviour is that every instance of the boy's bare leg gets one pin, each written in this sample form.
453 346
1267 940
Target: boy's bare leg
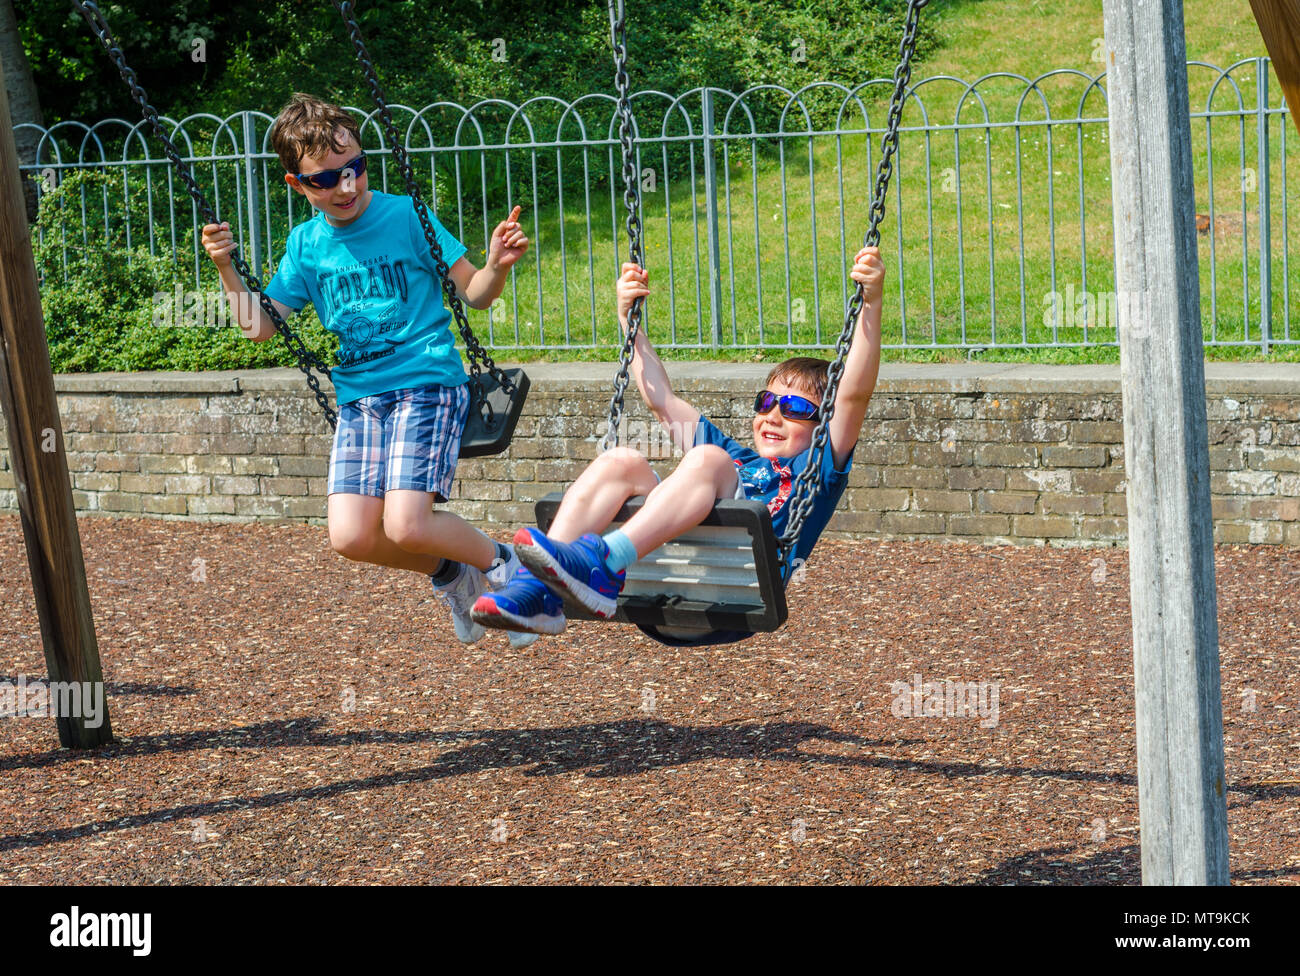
594 499
356 527
685 498
411 524
360 528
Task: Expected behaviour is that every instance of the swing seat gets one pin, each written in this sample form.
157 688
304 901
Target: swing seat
717 583
493 413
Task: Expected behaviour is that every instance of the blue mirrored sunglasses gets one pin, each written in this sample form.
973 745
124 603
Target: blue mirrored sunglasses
327 179
792 407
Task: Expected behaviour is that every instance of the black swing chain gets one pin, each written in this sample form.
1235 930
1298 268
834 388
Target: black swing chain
479 358
306 359
631 201
801 498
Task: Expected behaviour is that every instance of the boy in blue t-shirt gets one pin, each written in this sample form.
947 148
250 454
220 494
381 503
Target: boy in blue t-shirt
574 564
364 263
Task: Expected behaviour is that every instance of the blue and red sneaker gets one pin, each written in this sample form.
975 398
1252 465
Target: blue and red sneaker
575 571
523 604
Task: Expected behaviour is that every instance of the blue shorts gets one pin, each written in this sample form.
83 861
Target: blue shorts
405 440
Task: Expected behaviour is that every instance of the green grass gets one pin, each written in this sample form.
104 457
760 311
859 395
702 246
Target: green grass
1061 238
1029 37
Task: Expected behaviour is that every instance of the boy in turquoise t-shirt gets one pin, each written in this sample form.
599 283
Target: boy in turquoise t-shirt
364 263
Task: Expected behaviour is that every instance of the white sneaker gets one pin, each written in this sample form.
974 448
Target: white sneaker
460 595
521 638
501 572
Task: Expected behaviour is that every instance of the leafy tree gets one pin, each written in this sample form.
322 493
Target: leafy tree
20 89
254 55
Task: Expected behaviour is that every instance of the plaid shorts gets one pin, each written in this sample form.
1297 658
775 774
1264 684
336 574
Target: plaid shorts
402 440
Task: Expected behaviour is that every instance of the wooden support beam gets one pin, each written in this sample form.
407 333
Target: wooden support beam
36 453
1279 24
1181 797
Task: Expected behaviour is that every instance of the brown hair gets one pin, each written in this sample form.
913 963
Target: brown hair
307 126
807 373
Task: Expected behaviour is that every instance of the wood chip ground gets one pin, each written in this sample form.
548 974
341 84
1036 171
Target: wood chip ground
286 716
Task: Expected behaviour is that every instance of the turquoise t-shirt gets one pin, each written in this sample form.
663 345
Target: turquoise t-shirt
374 286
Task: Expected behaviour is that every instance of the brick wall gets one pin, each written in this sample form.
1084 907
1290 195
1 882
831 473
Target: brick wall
983 452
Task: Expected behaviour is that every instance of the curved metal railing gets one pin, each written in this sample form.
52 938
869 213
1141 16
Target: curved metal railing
998 233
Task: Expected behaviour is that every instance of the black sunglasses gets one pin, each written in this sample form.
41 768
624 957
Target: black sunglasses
329 178
792 407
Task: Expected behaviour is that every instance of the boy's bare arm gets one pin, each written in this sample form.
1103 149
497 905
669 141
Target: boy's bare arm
245 306
862 365
676 414
480 287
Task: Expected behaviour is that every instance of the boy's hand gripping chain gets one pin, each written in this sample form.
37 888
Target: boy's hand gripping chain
809 483
631 201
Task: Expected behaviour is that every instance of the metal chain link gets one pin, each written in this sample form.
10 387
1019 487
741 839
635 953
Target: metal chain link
479 358
631 202
801 497
307 360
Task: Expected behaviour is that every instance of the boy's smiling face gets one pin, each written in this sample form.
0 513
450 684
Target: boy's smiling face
777 436
347 199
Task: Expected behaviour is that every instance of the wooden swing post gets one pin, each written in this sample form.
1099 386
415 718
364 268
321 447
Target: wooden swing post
1279 25
36 453
1181 790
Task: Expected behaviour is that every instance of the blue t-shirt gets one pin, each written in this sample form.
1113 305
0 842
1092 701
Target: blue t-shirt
771 480
374 286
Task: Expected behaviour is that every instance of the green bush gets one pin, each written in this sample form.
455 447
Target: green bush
113 308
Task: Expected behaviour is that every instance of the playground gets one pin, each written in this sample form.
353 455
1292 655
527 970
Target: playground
273 727
658 681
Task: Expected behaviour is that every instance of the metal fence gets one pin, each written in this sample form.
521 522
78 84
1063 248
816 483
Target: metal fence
997 234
